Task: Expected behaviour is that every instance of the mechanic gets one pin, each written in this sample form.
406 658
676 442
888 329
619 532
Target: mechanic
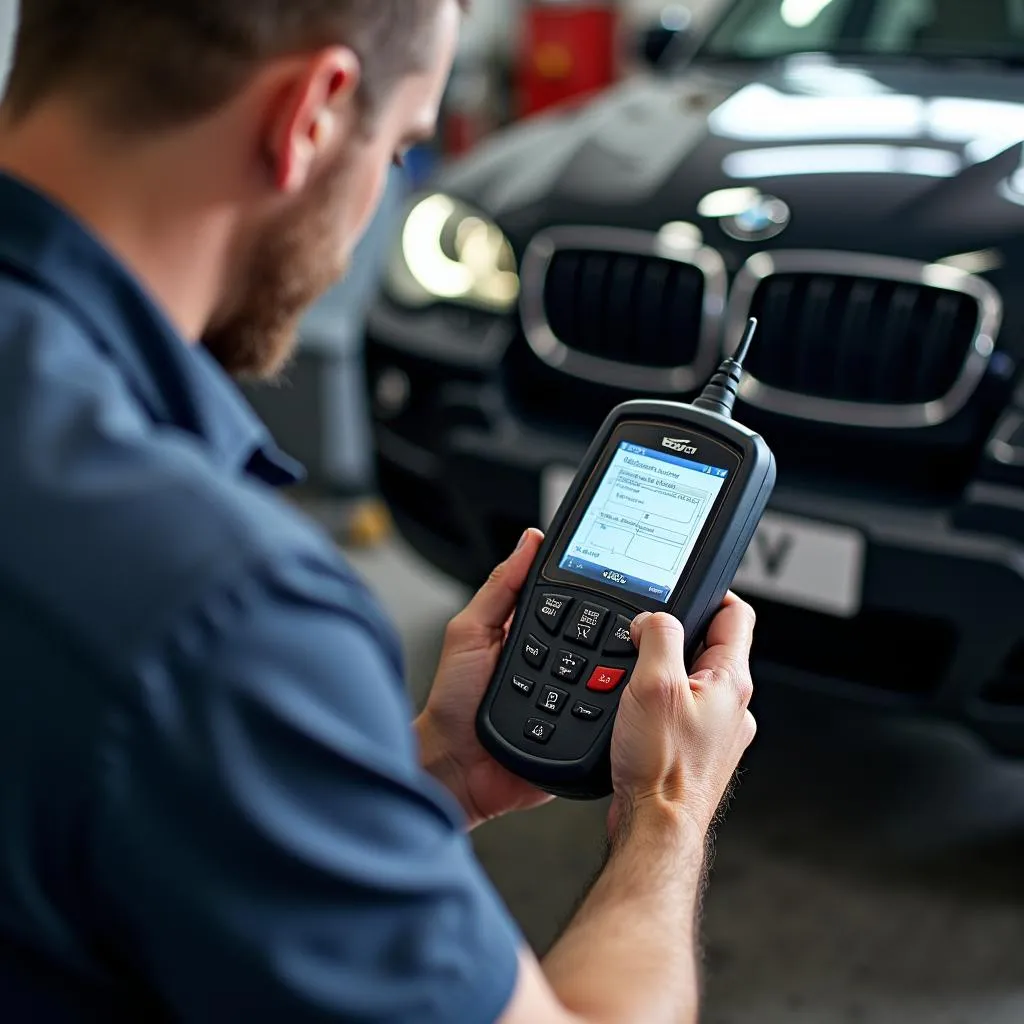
212 805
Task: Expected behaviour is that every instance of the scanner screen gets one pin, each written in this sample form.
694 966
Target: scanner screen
644 520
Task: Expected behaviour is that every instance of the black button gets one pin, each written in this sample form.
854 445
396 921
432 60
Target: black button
568 667
552 700
524 686
551 611
539 731
587 712
535 652
586 627
621 640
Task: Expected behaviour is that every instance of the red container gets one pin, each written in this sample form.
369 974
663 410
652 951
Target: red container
568 52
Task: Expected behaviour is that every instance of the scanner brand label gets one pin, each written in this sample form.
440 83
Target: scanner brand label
676 445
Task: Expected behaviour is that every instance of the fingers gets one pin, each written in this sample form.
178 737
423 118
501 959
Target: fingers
493 605
749 728
661 666
730 638
732 630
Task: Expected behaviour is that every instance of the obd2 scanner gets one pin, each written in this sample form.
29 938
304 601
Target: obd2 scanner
658 519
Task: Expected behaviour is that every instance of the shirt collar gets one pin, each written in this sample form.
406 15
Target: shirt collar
179 384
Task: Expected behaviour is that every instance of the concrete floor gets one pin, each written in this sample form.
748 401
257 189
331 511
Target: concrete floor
870 871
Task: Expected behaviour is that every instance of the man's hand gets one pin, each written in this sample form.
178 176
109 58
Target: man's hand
678 739
629 953
449 746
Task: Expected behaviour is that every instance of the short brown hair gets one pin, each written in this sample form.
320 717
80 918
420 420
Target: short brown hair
147 64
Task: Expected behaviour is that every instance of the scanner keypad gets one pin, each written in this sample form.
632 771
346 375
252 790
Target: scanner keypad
592 658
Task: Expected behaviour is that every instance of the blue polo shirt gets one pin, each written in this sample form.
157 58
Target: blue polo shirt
211 807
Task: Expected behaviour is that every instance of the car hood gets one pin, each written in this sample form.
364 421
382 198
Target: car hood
911 158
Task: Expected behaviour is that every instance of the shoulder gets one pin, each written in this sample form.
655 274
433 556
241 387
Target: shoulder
115 527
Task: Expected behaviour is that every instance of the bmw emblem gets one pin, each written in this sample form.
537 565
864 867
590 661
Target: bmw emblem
764 219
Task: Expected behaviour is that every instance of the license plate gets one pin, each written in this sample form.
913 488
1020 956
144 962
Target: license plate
806 564
791 560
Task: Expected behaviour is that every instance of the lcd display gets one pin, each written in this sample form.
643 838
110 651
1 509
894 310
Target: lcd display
644 521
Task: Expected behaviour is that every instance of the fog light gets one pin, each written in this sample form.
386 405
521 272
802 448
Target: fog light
392 393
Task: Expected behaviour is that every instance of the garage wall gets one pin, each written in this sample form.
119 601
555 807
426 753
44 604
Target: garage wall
491 25
488 25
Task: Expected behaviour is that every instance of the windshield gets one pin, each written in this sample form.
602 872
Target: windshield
978 29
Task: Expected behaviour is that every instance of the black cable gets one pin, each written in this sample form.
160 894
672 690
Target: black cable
719 396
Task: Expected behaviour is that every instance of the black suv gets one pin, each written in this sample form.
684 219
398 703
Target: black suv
849 171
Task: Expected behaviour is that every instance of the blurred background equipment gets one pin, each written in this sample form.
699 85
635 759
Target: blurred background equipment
568 52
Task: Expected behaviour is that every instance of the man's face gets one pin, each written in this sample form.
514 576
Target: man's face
296 256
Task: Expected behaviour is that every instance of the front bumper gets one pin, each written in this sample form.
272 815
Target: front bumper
942 625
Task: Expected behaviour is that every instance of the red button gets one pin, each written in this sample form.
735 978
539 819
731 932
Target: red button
604 680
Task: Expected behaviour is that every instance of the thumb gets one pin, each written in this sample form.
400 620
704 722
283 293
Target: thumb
661 665
496 599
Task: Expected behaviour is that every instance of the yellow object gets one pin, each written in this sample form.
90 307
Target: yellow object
369 526
554 61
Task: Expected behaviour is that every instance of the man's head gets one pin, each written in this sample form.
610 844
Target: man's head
312 101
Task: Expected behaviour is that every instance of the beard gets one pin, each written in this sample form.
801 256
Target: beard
295 261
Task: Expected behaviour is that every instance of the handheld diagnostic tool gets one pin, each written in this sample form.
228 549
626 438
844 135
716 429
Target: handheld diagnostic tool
658 518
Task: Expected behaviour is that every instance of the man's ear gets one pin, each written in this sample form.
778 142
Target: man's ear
317 103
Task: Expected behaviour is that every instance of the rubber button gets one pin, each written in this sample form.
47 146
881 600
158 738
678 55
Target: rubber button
552 700
586 627
552 610
620 642
604 680
587 712
538 730
524 686
568 666
535 652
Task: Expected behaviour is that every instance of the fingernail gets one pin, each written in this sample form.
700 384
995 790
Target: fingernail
522 541
639 621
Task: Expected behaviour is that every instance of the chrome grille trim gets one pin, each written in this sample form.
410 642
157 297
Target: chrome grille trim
764 265
553 351
1000 448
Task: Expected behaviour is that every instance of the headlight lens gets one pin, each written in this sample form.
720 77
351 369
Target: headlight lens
447 252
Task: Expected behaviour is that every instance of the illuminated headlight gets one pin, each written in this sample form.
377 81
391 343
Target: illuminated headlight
447 252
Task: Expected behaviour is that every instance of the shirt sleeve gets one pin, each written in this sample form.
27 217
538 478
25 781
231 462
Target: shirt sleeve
268 847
